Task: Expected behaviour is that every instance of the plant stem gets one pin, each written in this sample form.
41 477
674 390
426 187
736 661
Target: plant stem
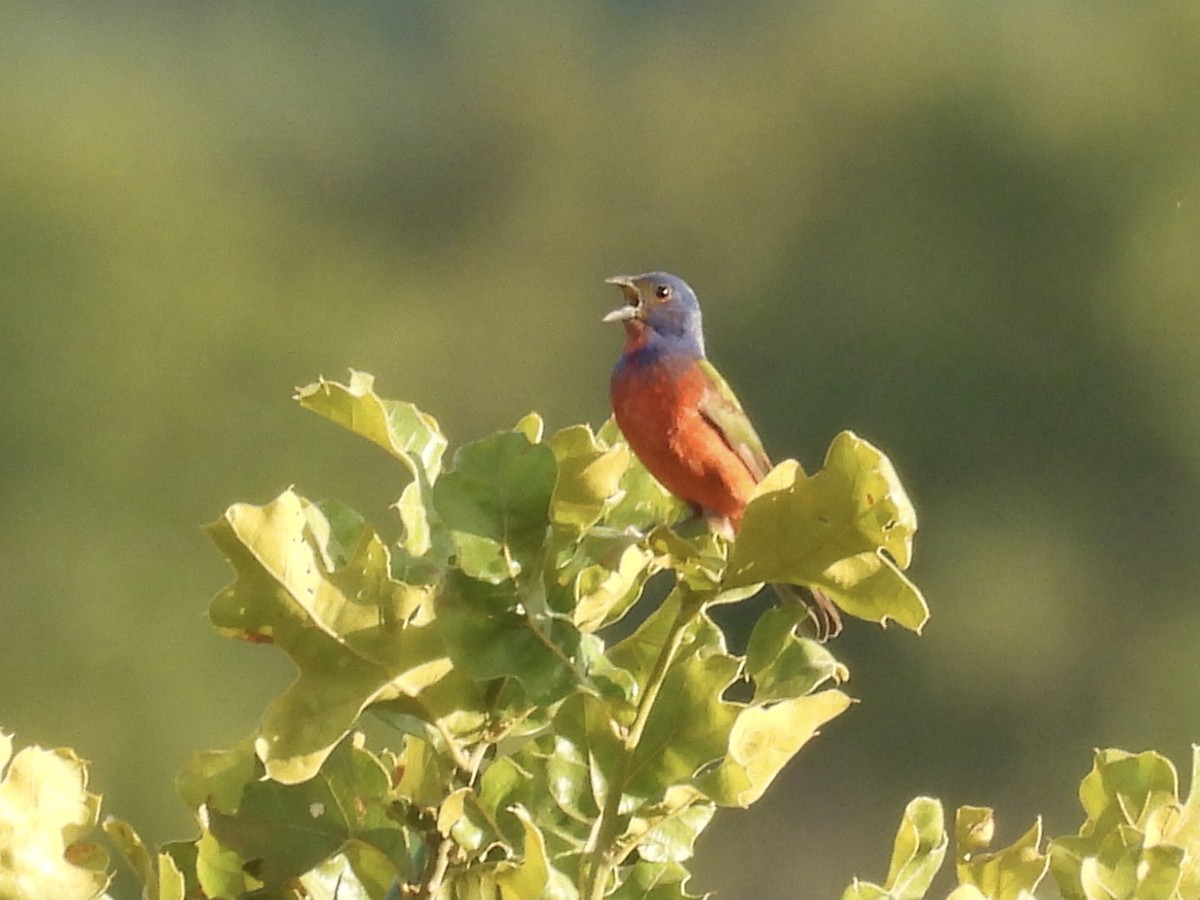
601 858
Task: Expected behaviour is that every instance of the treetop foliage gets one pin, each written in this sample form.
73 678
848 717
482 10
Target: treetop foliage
530 755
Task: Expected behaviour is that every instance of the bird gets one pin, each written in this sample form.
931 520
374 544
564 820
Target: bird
683 421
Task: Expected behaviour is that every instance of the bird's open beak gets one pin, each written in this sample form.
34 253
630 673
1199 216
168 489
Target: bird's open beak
631 307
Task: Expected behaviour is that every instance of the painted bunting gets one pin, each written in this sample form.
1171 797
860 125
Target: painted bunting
683 420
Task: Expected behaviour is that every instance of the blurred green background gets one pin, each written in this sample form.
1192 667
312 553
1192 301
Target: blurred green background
968 231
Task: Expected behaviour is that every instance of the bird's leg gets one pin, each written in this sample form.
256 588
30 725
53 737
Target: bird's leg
824 615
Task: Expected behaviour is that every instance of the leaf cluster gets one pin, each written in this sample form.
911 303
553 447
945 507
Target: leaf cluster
530 757
527 756
1140 841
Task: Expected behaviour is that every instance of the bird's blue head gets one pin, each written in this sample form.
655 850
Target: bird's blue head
661 313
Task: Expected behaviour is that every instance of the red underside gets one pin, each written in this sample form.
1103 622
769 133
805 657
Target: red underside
657 407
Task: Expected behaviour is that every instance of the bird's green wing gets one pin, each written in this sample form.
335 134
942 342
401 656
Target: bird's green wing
721 408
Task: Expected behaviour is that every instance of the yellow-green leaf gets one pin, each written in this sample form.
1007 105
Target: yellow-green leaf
848 530
589 476
1002 874
406 432
764 739
348 630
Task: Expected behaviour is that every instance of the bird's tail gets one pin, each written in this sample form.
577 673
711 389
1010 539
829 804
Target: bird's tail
824 615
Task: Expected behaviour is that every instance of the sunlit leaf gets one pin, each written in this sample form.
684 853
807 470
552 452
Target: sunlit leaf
172 885
641 501
917 855
672 837
46 819
406 432
589 475
1139 839
654 881
585 731
526 878
133 850
347 630
1002 874
847 529
764 739
919 849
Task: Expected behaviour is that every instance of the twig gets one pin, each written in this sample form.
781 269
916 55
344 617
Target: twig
601 856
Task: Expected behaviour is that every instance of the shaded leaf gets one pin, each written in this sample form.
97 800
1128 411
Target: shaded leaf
783 664
488 637
282 831
496 504
687 731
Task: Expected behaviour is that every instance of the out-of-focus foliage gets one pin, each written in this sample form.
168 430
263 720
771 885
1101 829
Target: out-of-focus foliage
963 231
1141 841
46 821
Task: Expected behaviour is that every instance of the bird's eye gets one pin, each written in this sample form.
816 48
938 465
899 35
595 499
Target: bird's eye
662 292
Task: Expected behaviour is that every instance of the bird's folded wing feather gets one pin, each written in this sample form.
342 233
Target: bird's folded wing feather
720 407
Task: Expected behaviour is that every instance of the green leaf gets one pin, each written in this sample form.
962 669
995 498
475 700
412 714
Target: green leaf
406 432
641 501
340 878
919 849
219 870
654 881
688 729
607 590
847 529
171 883
525 879
1139 840
217 777
496 504
763 740
585 733
917 854
284 830
353 632
134 851
1003 874
46 816
670 835
422 773
784 665
589 476
490 636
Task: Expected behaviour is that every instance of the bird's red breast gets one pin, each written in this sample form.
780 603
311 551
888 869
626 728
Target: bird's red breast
657 406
